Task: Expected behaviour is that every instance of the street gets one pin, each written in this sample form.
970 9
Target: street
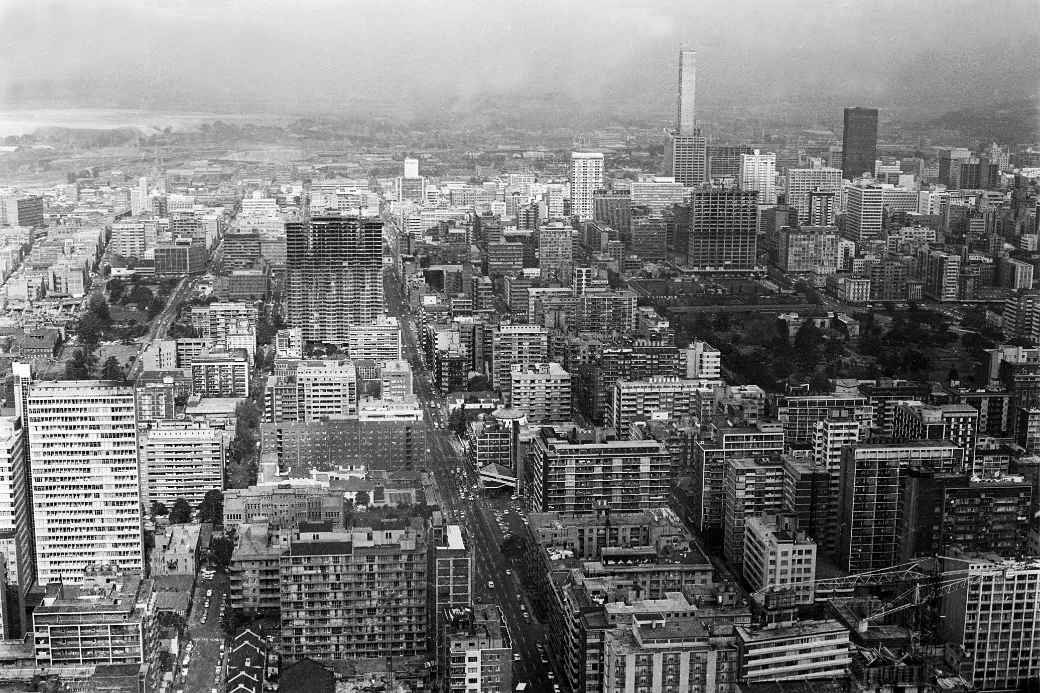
205 664
494 581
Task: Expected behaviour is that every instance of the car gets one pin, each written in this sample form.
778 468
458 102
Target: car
509 572
551 675
491 584
209 593
556 687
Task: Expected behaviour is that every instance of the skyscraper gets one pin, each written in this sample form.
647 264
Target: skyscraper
859 142
86 494
686 150
758 172
723 227
686 120
335 272
586 178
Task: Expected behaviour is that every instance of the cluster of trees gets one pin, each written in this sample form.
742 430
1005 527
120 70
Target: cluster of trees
211 509
905 348
144 298
242 467
84 365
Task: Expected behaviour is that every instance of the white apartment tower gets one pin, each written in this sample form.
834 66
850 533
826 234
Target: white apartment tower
85 477
758 173
586 178
802 181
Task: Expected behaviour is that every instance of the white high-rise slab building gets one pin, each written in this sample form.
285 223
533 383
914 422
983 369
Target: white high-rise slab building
686 121
85 477
586 178
758 173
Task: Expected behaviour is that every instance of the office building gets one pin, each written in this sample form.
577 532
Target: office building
942 274
179 257
180 459
990 617
864 216
156 401
555 251
542 391
822 208
221 372
22 210
802 182
586 179
958 423
686 116
870 508
659 397
86 490
104 620
395 380
686 157
723 226
515 345
288 343
711 455
724 161
703 361
452 576
749 488
475 650
335 275
582 476
954 514
686 150
809 249
374 583
779 558
800 413
793 652
326 389
347 443
215 321
859 142
282 506
649 234
254 582
758 174
379 340
16 514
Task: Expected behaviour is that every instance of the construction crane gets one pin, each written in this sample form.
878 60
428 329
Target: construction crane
927 581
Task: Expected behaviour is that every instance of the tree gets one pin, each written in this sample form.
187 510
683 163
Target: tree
116 289
159 509
81 364
112 370
99 307
220 549
181 512
361 498
478 383
211 509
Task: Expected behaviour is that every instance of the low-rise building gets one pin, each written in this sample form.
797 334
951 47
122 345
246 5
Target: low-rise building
803 650
176 549
282 506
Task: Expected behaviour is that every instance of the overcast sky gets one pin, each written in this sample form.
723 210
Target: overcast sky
329 55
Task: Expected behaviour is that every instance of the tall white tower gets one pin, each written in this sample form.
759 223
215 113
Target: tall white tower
686 121
85 477
586 178
758 172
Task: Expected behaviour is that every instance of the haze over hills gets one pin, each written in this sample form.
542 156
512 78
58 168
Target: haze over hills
524 66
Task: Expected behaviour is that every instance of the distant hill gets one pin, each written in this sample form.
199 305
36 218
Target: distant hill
1005 123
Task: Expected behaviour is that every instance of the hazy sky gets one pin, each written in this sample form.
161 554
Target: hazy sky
331 55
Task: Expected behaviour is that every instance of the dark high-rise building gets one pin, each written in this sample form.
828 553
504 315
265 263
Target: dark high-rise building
724 160
335 275
722 230
859 142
